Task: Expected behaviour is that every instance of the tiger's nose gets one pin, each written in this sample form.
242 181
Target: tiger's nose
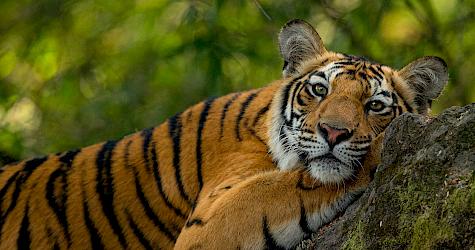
333 135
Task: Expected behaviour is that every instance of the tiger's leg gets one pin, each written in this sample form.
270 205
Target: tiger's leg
270 210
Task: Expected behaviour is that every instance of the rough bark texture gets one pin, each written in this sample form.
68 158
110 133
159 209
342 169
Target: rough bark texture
423 194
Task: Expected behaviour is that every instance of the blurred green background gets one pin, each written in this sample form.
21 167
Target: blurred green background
73 73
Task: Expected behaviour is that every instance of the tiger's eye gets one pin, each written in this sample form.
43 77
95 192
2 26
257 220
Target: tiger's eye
320 90
376 105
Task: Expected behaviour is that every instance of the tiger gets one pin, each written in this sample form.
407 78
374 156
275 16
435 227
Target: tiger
258 169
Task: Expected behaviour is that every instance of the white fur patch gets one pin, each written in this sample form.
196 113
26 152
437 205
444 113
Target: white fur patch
288 235
327 213
286 159
330 173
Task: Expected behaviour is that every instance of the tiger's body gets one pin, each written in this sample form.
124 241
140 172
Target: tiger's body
142 186
252 170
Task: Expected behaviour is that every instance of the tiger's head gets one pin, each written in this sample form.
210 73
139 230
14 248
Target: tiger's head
331 108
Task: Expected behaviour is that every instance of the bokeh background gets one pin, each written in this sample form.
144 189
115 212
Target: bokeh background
73 73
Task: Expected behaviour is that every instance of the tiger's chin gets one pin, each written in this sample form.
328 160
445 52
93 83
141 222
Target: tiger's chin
329 170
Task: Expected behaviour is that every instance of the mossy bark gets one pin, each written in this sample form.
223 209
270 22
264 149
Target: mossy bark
423 194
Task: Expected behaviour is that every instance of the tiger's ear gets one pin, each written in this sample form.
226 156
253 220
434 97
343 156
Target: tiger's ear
298 42
427 77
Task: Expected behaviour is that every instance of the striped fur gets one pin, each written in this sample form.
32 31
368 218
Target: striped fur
246 170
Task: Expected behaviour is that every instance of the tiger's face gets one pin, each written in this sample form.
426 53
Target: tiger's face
332 107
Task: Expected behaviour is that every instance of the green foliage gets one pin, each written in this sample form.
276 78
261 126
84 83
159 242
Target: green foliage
77 72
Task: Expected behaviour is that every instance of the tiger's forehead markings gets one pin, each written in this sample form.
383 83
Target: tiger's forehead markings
368 73
379 83
327 72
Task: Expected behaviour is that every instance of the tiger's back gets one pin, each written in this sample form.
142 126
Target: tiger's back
139 190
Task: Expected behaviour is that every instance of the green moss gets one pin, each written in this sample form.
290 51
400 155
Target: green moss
411 198
460 200
472 193
438 224
428 231
356 238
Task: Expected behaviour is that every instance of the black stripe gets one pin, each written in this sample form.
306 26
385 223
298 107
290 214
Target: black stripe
285 65
149 211
224 112
138 233
399 110
361 142
363 75
320 74
344 63
351 74
33 164
195 221
309 92
143 200
156 175
396 108
58 204
261 113
407 106
147 135
335 67
300 100
24 240
243 109
174 128
5 188
268 239
105 188
295 92
358 66
21 178
253 133
340 73
68 157
285 100
303 220
376 73
94 237
199 154
387 94
2 197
